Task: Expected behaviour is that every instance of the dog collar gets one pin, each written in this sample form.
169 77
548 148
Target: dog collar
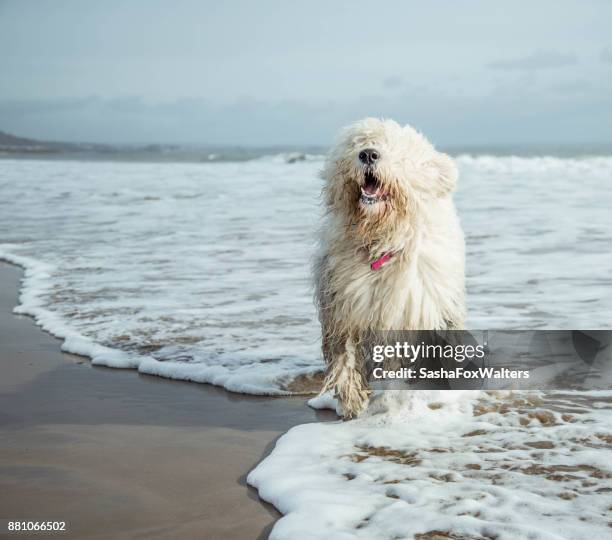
382 260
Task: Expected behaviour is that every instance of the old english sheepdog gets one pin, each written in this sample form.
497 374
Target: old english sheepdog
391 251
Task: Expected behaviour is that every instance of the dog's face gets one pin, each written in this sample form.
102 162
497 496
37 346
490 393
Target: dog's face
379 172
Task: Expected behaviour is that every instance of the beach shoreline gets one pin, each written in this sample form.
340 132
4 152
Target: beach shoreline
122 454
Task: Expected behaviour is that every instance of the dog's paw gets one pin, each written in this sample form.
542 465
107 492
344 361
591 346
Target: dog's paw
352 394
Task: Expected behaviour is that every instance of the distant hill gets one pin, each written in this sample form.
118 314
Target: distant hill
13 144
12 147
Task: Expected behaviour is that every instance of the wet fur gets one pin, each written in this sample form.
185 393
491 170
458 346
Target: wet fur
421 287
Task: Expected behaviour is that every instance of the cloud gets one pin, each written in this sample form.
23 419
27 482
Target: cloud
606 56
564 112
536 60
394 81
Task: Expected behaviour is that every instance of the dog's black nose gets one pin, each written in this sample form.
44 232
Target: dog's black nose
369 156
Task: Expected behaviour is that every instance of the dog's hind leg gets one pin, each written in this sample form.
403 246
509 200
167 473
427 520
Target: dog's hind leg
346 377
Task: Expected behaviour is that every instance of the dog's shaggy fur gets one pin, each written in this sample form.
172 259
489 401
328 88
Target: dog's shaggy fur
401 205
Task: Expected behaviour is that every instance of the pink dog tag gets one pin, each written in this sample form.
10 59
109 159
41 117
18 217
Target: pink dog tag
382 260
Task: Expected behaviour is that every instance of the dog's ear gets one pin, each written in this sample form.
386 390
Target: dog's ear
446 174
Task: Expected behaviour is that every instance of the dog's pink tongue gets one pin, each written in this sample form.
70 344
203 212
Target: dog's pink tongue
371 189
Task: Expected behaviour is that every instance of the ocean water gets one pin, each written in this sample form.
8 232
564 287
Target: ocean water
200 271
190 271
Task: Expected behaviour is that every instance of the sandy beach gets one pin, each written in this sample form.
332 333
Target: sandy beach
118 454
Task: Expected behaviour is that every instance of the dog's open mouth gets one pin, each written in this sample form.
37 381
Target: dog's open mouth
371 191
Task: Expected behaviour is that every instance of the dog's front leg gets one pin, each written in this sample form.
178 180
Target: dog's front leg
346 377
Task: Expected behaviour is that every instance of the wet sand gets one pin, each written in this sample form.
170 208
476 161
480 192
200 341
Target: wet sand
117 454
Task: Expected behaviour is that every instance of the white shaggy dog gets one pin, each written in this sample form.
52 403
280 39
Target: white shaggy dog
392 250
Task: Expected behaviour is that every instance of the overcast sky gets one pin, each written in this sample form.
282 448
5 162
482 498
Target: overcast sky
263 72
